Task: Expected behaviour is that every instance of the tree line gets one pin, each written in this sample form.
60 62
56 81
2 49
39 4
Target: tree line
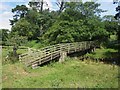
72 22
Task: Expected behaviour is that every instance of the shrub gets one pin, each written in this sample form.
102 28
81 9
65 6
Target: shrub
31 43
11 58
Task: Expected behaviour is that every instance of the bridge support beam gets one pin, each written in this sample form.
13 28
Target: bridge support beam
63 55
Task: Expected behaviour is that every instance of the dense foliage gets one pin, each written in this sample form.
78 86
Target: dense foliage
72 22
77 23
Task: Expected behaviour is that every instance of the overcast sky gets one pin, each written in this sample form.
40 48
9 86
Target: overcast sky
7 5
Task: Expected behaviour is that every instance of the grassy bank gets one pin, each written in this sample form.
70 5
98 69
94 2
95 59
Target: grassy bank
104 53
73 73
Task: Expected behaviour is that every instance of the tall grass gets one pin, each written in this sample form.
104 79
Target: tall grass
103 53
73 73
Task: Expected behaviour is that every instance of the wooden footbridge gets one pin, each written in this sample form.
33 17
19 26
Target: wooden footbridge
37 57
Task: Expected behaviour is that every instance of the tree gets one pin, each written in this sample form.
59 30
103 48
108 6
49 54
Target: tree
73 26
61 5
45 21
0 37
37 5
42 20
4 35
117 17
20 12
110 24
89 9
60 32
96 29
43 17
15 40
33 18
24 28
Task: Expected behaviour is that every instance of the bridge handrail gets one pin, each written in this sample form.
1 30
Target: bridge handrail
50 50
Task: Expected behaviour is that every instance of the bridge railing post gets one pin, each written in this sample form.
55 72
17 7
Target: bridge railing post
20 58
63 55
60 48
79 46
52 51
85 45
68 45
75 47
29 51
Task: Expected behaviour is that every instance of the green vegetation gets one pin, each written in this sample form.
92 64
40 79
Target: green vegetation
36 27
73 73
35 44
72 22
6 50
0 67
113 37
104 53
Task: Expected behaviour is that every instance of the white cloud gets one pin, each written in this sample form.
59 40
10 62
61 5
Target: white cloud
6 15
5 24
4 20
48 4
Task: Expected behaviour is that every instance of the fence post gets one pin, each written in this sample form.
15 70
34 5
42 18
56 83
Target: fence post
51 51
29 51
63 54
68 47
79 46
20 58
75 47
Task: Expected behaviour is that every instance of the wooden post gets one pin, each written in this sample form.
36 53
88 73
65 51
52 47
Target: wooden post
75 47
20 58
63 54
82 46
29 51
79 46
68 48
15 51
51 56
